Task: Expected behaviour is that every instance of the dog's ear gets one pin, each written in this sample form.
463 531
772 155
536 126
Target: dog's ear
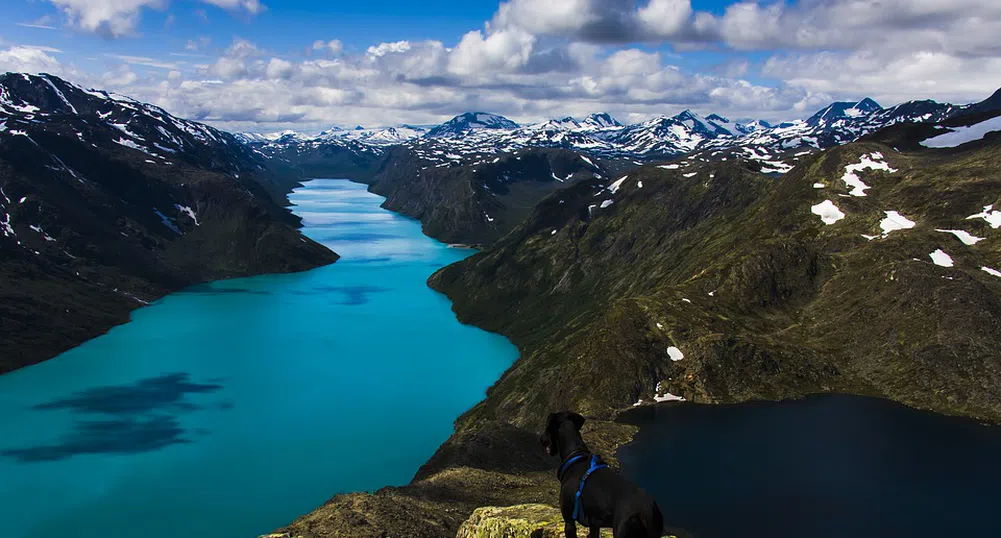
578 421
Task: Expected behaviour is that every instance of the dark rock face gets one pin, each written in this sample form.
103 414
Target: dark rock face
108 203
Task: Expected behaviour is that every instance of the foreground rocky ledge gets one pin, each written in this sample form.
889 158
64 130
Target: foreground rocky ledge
521 521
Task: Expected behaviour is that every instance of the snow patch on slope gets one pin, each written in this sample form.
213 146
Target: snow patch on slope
942 259
872 161
990 215
961 135
967 238
895 221
828 212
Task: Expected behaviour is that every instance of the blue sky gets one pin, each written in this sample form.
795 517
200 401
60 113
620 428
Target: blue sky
262 65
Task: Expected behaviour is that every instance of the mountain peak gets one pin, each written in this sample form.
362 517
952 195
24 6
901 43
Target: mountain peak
688 114
602 120
471 121
696 123
845 109
868 105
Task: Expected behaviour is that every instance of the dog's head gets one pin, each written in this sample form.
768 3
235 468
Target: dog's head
550 437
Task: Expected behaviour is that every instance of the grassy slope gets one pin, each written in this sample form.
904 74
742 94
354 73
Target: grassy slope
797 306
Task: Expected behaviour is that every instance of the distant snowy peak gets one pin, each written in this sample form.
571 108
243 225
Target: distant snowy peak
675 135
282 136
565 124
844 110
695 123
471 136
753 126
390 136
601 120
471 121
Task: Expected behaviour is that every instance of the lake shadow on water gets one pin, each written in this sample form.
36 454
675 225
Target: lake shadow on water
348 295
210 290
123 419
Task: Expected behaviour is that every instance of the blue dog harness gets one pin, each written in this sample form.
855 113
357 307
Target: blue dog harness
578 510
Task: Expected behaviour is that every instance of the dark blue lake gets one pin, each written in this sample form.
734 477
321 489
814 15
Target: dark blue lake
230 409
825 467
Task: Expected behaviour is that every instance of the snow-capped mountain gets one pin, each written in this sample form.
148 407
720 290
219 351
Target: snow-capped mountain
844 111
44 105
391 136
476 137
565 124
263 138
839 123
602 120
671 136
471 122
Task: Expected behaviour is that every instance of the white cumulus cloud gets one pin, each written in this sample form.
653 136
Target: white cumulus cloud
118 18
29 60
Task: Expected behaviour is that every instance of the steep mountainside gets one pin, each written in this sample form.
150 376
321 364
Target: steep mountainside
864 270
107 203
480 201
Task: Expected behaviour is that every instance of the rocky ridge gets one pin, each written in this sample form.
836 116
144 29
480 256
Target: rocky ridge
107 204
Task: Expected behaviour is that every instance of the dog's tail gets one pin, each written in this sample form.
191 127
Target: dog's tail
657 525
643 524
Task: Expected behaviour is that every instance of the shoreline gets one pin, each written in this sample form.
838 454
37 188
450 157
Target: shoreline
139 302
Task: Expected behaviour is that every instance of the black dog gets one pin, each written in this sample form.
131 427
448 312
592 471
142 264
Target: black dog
605 499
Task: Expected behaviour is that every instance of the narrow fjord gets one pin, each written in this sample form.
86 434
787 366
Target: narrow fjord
231 408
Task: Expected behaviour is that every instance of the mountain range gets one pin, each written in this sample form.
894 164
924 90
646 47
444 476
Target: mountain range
475 133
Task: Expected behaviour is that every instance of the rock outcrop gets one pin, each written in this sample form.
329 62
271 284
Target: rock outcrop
521 521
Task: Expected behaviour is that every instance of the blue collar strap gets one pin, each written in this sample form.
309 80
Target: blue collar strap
566 465
578 510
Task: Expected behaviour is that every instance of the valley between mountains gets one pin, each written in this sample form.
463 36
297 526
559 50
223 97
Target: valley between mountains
685 258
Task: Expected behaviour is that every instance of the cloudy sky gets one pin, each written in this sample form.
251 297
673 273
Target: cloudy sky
308 65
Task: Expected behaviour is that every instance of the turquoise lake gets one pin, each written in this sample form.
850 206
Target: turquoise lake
230 409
